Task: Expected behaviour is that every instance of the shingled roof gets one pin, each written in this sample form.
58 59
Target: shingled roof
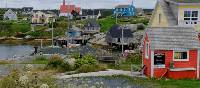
116 32
186 1
172 20
173 38
122 6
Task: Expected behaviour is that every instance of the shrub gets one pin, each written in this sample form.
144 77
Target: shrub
65 67
140 27
91 68
54 62
10 80
58 63
87 59
134 59
76 55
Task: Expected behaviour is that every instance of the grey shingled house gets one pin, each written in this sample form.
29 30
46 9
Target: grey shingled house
91 27
114 35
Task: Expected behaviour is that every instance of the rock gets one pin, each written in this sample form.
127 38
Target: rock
44 86
23 80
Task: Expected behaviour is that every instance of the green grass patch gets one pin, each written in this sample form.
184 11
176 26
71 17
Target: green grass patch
106 23
154 83
3 62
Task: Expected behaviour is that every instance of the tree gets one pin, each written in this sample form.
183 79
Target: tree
75 14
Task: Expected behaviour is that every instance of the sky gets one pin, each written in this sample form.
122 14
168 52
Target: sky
92 4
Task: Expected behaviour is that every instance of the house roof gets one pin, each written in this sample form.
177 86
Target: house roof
92 23
10 11
86 12
173 38
27 8
116 32
186 1
122 6
172 20
69 8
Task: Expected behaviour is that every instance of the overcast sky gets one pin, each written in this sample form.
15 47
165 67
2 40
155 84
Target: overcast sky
54 4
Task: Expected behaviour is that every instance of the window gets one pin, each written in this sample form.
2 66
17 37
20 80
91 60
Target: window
187 13
122 9
159 18
36 15
118 40
147 50
194 13
191 17
181 56
159 60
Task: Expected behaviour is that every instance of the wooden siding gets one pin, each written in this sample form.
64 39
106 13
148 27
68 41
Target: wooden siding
154 22
158 72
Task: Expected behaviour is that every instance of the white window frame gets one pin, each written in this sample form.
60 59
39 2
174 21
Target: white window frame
189 22
147 50
181 59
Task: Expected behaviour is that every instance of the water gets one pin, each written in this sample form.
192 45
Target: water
9 51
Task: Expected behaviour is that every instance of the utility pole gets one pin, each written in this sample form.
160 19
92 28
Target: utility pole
122 40
6 4
116 17
68 15
52 33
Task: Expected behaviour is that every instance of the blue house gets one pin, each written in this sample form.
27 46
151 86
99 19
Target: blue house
124 10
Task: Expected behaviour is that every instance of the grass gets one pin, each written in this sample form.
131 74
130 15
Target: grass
3 62
26 42
154 83
106 23
39 60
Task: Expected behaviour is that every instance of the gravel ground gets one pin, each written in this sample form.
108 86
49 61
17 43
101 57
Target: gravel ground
97 82
109 72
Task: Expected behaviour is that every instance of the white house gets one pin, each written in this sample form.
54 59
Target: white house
10 15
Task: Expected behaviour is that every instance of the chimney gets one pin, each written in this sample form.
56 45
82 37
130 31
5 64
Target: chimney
63 2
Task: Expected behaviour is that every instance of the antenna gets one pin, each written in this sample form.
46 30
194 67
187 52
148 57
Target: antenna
6 4
132 3
63 2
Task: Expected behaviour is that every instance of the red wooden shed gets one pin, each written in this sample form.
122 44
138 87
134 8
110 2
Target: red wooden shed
171 52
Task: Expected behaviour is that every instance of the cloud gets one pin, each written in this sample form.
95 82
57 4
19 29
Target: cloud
54 4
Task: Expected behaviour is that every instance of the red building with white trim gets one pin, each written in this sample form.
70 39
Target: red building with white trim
171 52
67 9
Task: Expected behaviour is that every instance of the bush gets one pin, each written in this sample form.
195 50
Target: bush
76 55
134 59
55 61
91 68
58 63
65 67
10 80
140 27
87 59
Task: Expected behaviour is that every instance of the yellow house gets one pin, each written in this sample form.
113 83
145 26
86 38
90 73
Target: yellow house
184 13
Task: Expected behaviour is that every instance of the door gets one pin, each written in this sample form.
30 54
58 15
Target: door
159 60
